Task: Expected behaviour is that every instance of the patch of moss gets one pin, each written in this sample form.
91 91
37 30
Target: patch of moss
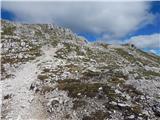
120 74
54 41
86 89
45 89
136 109
38 33
150 73
2 69
75 87
78 103
10 60
67 81
63 53
125 55
90 73
149 56
42 77
158 97
46 70
131 90
116 81
127 111
112 67
98 55
69 36
9 30
72 68
110 93
97 115
89 52
104 45
67 116
142 61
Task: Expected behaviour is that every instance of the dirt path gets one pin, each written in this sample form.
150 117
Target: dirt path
24 105
22 97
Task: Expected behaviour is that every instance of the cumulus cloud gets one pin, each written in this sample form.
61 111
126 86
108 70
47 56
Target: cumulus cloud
153 51
156 52
113 19
146 41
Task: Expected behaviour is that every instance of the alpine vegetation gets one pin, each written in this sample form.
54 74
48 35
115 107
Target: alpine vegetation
50 73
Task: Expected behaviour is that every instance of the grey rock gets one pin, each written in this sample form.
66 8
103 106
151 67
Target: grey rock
156 109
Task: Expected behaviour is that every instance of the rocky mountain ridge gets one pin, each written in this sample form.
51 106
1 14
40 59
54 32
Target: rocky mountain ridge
65 77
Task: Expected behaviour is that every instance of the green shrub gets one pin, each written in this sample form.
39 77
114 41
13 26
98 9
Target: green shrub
8 30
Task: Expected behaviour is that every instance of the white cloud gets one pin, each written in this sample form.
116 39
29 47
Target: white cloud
153 51
146 41
115 19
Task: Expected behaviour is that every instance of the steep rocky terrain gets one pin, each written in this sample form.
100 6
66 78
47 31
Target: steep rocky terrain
48 72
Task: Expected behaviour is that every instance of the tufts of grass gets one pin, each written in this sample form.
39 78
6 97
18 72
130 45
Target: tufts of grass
46 70
150 73
104 45
136 109
69 37
2 69
78 103
73 87
9 30
86 89
42 77
125 55
10 60
67 116
97 115
72 68
90 73
63 53
54 41
110 93
38 33
45 89
119 74
116 81
131 90
149 56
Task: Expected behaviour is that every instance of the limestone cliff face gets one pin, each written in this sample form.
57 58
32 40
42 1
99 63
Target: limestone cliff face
75 79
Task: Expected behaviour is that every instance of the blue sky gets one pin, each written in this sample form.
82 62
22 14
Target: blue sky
111 22
146 30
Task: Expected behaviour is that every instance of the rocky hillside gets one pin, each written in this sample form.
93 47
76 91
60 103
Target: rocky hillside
48 72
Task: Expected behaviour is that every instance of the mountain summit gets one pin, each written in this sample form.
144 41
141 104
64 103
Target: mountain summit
50 73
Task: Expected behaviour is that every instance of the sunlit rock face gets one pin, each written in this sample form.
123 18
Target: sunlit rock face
74 79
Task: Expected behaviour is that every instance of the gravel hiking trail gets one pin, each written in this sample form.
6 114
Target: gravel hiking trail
23 103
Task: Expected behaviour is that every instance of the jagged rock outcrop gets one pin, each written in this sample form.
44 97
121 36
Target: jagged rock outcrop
77 80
